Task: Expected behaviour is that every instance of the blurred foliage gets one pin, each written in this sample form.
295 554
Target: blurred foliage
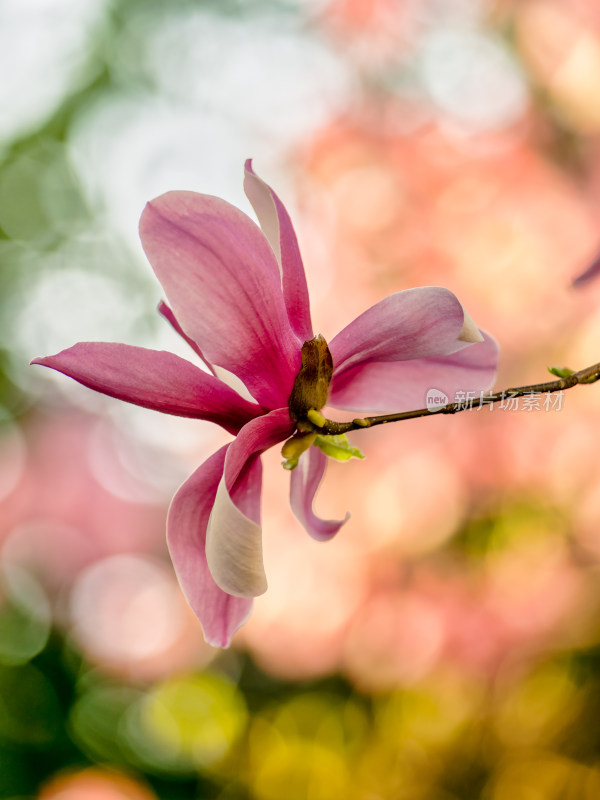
202 735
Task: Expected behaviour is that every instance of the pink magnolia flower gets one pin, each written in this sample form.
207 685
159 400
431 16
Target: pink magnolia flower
237 294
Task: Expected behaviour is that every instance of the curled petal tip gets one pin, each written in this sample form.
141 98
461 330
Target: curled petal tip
220 614
234 549
469 332
303 487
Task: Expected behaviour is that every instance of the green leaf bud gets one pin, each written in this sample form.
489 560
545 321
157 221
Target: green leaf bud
337 447
560 372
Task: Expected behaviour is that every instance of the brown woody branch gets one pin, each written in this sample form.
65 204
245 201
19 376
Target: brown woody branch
587 375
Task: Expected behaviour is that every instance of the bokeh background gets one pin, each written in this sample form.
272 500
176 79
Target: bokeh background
446 645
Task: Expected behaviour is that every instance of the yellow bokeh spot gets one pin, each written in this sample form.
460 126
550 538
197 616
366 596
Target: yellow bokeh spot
304 749
194 720
544 776
537 708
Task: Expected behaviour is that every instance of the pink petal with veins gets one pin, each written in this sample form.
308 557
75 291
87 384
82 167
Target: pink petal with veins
222 281
165 311
277 227
154 379
305 480
219 613
234 537
416 323
389 387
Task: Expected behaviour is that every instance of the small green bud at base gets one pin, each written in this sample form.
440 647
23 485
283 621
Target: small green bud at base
316 418
560 372
337 447
293 448
361 423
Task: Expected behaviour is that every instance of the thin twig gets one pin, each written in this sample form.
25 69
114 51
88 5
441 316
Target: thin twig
587 375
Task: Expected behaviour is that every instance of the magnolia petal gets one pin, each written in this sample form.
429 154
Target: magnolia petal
234 541
222 281
305 480
154 379
166 312
254 438
233 382
469 333
219 613
386 387
277 227
234 546
416 323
